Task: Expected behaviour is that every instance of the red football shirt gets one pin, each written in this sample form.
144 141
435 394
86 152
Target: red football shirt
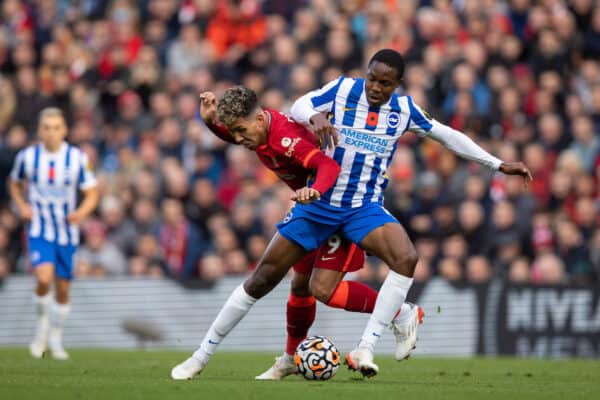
291 152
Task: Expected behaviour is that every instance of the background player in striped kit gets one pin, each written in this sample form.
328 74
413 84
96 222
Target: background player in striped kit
370 118
53 172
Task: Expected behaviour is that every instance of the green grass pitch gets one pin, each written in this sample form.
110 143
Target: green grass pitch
144 375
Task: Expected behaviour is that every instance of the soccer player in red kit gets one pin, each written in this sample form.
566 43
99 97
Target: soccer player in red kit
291 151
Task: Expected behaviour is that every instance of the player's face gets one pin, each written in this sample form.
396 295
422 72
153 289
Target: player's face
381 82
250 132
52 131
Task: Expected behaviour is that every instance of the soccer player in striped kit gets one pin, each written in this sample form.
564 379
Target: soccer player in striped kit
370 118
53 172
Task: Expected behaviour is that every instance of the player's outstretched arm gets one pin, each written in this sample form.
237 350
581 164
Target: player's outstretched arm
208 107
208 112
462 145
422 124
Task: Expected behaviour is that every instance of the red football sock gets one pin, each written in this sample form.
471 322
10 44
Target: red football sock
353 296
300 316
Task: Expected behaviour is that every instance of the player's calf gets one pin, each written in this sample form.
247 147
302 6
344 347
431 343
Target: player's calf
353 296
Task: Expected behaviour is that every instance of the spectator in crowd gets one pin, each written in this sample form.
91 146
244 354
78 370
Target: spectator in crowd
181 243
99 257
522 78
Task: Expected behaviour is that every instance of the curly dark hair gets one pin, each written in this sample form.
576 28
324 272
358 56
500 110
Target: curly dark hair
237 102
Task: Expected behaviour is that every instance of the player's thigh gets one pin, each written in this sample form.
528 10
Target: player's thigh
278 258
391 244
44 273
339 254
305 265
65 262
323 283
308 226
42 256
334 259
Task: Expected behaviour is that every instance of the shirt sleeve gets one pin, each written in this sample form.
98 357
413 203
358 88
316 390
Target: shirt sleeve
317 101
422 124
419 121
87 178
220 131
17 172
327 171
462 145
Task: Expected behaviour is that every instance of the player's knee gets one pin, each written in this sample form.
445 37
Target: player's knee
405 261
43 286
62 296
44 280
257 286
300 289
320 291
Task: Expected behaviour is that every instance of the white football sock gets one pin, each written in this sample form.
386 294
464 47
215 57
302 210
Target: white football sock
390 298
236 307
41 304
58 313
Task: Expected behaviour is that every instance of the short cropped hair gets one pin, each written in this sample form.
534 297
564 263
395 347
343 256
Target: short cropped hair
237 102
390 58
51 112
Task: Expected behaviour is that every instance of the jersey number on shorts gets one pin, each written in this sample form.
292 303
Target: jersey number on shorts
334 242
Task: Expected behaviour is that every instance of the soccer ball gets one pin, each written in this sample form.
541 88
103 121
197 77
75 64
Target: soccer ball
317 358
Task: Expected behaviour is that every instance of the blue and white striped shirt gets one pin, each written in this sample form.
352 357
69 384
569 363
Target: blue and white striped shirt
53 181
368 138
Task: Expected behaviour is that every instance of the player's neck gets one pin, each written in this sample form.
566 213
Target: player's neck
53 148
268 121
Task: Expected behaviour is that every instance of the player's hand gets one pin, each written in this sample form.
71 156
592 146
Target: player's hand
306 195
517 168
74 218
324 131
208 106
26 212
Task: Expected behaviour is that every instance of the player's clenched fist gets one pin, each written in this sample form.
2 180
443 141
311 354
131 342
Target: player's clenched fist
208 106
306 195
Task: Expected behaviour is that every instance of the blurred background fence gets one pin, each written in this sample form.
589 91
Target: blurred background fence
465 320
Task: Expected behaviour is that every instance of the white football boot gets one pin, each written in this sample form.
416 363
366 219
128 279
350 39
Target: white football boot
57 351
37 349
38 345
361 359
284 366
187 369
405 329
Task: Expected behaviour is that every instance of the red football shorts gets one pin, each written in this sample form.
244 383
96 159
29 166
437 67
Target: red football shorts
336 253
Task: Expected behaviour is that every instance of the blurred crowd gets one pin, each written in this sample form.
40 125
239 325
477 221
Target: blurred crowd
521 77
